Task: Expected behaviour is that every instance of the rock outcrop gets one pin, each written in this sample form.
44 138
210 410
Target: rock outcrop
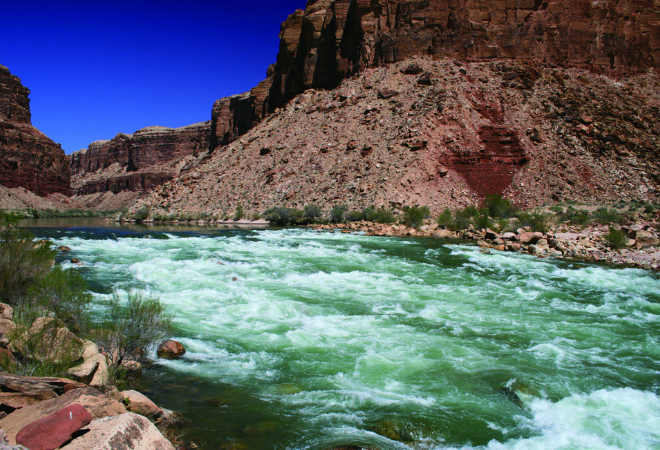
136 162
536 135
507 48
333 39
28 158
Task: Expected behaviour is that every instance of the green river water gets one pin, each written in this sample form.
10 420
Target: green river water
306 340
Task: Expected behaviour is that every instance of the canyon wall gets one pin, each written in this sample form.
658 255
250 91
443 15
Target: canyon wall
139 161
28 158
333 41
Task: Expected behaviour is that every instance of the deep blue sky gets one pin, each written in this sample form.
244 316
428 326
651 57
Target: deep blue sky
98 68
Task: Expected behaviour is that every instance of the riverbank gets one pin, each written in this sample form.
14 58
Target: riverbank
642 248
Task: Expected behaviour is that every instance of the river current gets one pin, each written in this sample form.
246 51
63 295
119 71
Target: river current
306 340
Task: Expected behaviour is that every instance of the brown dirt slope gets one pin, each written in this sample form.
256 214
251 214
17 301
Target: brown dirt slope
438 133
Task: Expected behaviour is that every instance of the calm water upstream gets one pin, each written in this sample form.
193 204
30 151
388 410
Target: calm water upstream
302 340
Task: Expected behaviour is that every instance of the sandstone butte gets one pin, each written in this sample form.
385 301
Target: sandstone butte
432 102
28 159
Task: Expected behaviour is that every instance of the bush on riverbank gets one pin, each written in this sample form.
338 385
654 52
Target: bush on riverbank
130 326
413 216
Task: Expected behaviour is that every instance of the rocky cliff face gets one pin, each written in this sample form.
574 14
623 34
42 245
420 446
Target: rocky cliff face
28 158
139 161
509 44
333 39
441 133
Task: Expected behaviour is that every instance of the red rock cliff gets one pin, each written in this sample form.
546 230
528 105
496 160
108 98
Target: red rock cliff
136 162
333 39
27 157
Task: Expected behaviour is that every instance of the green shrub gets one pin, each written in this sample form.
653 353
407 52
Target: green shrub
353 216
536 221
604 216
616 238
129 327
499 207
413 216
463 218
23 262
380 215
255 216
444 219
284 216
575 216
556 209
312 213
141 214
503 225
337 213
64 293
238 215
482 220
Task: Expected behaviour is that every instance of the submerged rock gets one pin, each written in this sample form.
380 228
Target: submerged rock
170 349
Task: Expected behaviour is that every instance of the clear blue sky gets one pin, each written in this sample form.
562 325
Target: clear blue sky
95 69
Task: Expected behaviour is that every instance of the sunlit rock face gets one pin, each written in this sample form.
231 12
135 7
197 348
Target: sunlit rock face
333 39
28 158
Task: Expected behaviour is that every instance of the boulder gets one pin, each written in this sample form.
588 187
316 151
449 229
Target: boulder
126 431
64 248
85 372
102 374
42 387
52 431
645 239
133 368
6 311
140 404
387 93
492 235
170 349
7 327
52 342
96 403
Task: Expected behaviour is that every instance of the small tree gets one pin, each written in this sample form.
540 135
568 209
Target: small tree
616 238
337 213
445 218
413 216
22 260
238 215
132 327
312 213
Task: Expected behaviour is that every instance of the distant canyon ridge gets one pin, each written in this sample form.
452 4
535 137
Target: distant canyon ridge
394 103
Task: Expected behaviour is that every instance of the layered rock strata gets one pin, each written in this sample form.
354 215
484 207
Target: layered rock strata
136 162
332 40
441 133
28 158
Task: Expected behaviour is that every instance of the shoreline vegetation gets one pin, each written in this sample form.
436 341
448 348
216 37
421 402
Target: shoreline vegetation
624 233
55 355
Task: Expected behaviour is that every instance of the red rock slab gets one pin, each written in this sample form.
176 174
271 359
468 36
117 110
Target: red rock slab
54 430
170 349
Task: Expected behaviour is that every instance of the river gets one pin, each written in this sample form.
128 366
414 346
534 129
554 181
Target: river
306 340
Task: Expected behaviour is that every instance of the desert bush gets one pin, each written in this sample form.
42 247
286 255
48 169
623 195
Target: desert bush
575 216
463 218
255 216
284 216
63 293
312 213
615 238
337 213
536 221
556 209
413 216
444 219
604 216
353 216
503 225
130 327
23 261
482 220
380 215
238 215
141 214
499 207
